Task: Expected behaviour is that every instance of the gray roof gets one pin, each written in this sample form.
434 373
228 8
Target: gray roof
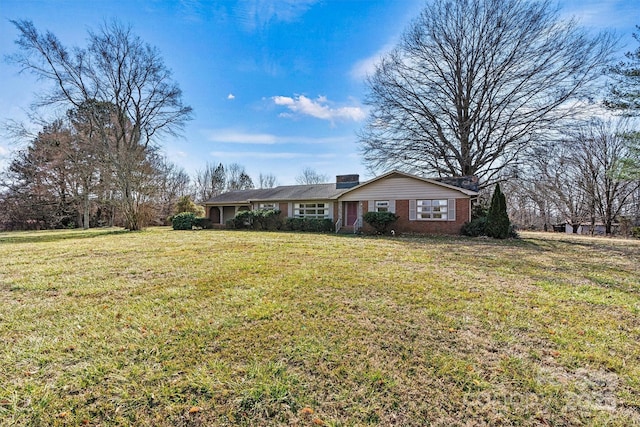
283 192
311 192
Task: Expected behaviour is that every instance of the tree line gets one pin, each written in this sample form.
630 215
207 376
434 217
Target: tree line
99 163
506 90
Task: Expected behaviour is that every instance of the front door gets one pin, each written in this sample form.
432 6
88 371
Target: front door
351 213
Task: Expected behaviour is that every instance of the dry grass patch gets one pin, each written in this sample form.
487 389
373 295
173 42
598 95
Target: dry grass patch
242 328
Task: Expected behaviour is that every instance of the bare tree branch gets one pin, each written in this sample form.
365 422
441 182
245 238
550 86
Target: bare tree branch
475 82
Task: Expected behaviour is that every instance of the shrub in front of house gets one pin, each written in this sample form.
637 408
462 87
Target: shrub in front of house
188 220
294 224
259 219
319 225
308 224
202 222
478 226
380 221
183 221
242 220
269 219
266 219
475 228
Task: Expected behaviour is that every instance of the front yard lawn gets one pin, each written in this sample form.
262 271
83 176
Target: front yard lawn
217 328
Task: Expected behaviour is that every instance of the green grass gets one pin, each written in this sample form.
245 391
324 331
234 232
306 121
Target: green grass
219 328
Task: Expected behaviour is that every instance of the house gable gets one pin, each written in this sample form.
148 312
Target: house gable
400 186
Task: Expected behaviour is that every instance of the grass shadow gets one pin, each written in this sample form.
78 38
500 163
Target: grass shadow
47 236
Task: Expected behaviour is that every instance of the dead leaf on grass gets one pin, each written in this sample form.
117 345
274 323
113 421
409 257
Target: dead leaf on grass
306 411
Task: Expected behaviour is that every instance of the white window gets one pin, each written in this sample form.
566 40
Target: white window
267 206
432 209
311 210
382 206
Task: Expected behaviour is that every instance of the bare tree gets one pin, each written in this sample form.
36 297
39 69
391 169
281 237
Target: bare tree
119 69
210 182
601 151
268 180
474 82
237 178
59 180
554 177
173 185
214 180
310 176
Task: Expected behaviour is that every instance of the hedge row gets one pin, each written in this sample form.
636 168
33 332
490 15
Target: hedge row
270 219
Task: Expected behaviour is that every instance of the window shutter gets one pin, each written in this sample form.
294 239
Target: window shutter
412 210
392 206
290 209
371 205
451 210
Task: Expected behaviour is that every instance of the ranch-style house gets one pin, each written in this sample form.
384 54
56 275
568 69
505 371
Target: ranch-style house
426 206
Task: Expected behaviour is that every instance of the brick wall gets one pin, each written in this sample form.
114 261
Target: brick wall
403 225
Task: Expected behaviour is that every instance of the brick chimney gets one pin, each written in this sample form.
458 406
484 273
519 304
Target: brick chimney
466 182
347 181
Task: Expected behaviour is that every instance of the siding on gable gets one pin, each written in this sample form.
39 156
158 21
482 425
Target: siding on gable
400 188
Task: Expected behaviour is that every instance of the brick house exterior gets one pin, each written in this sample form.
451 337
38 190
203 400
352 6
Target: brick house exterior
424 206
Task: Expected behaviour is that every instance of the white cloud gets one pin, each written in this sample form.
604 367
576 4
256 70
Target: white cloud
367 66
3 151
232 136
258 14
271 155
603 13
231 96
239 137
318 108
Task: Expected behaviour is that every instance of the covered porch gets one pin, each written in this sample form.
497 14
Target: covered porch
222 213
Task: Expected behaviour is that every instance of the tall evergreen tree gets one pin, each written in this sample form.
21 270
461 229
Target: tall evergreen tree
498 223
624 91
624 97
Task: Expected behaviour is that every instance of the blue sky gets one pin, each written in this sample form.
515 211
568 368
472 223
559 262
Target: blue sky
275 85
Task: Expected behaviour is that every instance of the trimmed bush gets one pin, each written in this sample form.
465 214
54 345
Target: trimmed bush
269 219
475 228
294 224
266 219
309 224
183 221
319 225
242 220
381 221
203 222
259 219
